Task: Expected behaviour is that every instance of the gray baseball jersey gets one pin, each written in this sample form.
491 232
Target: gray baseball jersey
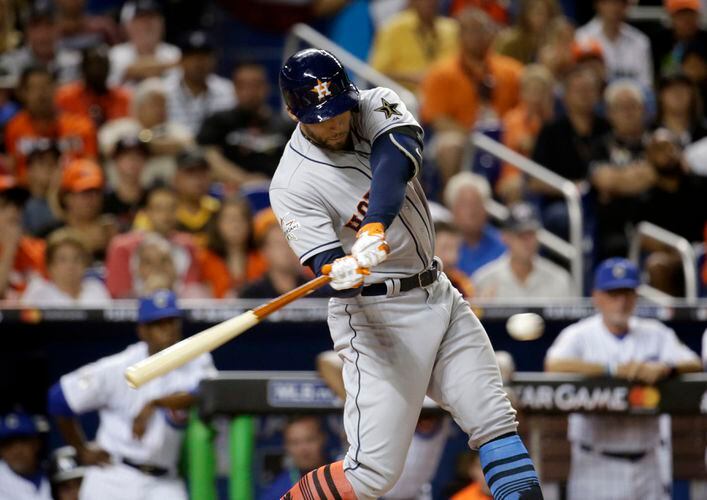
399 347
321 196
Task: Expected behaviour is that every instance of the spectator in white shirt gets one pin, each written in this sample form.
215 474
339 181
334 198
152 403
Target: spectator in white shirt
144 55
627 51
194 91
521 273
67 261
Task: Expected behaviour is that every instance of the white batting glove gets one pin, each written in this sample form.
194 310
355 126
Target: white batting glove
345 273
370 248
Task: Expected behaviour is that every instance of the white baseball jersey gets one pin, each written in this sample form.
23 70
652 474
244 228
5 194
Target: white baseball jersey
14 487
321 196
101 386
646 340
399 347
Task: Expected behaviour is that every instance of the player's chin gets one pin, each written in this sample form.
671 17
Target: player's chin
337 143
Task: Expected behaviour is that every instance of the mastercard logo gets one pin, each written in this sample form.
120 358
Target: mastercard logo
30 315
644 397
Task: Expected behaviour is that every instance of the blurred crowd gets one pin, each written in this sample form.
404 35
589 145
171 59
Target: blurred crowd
128 164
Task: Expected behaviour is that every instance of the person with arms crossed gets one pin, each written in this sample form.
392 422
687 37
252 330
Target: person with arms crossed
618 456
140 432
346 194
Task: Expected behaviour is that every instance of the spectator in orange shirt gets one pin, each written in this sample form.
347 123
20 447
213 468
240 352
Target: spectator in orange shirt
21 257
75 135
455 89
522 124
230 258
91 97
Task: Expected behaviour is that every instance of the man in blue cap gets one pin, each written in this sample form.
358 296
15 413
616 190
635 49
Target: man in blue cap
618 456
21 477
140 433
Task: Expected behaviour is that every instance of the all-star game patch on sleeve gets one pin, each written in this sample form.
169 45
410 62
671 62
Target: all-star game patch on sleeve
380 110
304 222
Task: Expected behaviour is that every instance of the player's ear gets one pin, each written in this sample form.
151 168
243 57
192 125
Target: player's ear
292 115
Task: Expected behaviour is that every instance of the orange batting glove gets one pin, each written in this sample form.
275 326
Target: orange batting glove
370 248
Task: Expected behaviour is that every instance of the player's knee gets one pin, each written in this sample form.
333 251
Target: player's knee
374 482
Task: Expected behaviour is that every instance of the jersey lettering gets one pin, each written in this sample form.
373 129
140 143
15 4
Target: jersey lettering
356 219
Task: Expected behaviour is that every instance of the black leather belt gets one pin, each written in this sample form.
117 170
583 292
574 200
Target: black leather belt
425 278
150 470
630 456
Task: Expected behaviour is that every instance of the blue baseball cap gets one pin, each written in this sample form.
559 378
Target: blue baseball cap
159 305
616 273
19 423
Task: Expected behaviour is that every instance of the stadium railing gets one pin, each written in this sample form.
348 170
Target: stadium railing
571 250
681 245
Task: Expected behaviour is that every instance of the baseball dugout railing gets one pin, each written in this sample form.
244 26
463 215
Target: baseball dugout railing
572 250
539 397
681 245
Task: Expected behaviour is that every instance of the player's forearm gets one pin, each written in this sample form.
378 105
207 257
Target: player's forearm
176 401
575 366
72 432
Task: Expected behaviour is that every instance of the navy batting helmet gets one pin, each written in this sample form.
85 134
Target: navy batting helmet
315 86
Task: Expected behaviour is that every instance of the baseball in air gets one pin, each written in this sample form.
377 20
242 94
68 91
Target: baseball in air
525 326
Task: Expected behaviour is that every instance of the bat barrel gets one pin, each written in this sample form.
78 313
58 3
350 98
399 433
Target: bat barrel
188 349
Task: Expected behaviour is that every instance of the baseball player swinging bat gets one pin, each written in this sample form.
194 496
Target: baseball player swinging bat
192 347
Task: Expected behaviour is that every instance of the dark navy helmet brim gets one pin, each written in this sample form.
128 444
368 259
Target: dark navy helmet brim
330 108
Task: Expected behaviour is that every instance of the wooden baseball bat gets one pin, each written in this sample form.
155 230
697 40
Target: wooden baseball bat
190 348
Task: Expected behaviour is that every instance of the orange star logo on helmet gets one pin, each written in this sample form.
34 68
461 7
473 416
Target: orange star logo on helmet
321 89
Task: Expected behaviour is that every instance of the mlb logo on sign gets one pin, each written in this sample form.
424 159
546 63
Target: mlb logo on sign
304 393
